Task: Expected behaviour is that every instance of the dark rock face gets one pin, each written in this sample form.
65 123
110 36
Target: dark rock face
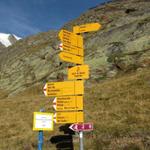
1 47
12 39
122 45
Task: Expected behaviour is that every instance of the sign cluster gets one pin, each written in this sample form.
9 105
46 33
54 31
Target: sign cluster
68 101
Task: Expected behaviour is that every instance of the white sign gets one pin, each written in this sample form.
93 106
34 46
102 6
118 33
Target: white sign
43 121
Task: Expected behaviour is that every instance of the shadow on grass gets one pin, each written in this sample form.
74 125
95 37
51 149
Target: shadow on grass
64 142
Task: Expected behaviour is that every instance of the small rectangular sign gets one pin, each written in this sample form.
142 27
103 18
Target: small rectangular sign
78 72
68 117
65 88
86 28
71 58
68 103
42 121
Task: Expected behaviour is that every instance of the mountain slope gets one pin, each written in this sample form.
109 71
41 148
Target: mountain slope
123 45
119 109
116 96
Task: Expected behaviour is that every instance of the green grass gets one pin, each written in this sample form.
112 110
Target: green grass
119 109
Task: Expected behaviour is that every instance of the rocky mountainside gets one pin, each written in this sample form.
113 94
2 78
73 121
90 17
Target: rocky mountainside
122 45
2 47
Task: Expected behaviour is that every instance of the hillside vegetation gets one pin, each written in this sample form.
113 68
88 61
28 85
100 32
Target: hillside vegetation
119 109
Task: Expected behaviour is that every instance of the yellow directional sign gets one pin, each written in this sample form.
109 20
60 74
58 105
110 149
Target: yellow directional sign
71 58
68 117
78 72
42 121
71 39
86 28
68 103
72 49
52 89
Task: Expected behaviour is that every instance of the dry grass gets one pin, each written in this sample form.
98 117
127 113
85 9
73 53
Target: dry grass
3 94
119 108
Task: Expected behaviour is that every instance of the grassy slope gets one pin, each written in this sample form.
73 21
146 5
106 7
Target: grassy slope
119 108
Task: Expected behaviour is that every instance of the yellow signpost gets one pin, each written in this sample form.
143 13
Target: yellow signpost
71 39
69 94
78 72
71 58
86 28
52 89
68 103
68 117
72 49
42 121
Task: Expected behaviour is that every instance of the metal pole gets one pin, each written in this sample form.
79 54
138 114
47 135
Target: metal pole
81 140
40 137
40 140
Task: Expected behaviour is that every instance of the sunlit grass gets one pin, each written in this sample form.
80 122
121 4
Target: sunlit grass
119 109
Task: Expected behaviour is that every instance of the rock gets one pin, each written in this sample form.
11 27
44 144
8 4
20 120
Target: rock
111 74
12 39
122 45
2 47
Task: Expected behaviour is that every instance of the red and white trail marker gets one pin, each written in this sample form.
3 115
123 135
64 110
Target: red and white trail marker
54 103
60 46
44 89
81 127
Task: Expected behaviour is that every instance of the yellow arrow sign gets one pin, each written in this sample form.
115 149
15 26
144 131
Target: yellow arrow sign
72 49
68 103
78 72
68 117
71 39
71 58
52 89
86 28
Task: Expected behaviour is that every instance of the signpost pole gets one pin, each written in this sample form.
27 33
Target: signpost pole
40 142
40 138
81 140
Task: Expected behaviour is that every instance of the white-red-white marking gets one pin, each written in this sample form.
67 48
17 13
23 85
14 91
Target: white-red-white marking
81 127
44 89
60 46
54 103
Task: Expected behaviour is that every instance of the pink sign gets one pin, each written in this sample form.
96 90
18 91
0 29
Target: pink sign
82 127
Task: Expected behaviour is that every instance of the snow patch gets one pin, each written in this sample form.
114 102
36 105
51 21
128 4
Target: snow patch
18 38
4 39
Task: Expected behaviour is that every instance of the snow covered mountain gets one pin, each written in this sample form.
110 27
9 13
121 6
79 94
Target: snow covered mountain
8 39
